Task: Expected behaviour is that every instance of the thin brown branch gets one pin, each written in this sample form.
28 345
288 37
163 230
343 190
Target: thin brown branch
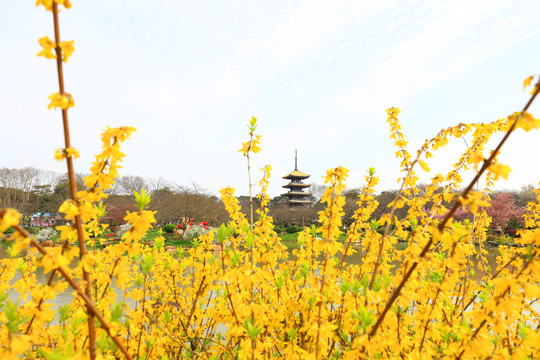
88 300
71 177
498 299
442 225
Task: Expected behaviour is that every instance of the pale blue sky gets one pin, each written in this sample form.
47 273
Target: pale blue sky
318 75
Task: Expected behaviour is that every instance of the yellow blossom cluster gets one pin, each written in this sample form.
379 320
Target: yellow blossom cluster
62 154
238 293
63 101
253 143
48 4
47 45
248 297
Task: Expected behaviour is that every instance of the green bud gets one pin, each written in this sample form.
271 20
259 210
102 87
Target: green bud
13 319
101 209
146 263
365 318
117 311
252 329
142 199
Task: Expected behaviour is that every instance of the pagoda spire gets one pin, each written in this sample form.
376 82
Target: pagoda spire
295 160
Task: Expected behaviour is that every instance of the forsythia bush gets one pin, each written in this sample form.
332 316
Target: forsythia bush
249 298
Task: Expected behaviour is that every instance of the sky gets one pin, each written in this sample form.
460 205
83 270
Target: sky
318 76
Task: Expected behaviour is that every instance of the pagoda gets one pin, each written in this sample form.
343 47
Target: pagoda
296 195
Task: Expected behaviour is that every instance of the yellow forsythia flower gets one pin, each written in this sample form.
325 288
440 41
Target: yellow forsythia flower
69 208
67 49
477 157
245 148
47 45
18 344
53 259
87 261
255 145
10 218
527 82
59 154
66 3
500 170
424 166
524 121
72 152
61 101
21 243
251 145
47 4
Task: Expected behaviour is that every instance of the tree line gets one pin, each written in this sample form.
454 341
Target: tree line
31 191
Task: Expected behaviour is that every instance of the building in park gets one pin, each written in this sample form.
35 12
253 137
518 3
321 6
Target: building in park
296 195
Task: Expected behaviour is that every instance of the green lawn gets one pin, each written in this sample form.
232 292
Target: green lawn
289 240
294 237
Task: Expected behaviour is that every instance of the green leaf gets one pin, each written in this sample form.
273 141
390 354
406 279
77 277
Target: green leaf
223 233
365 318
414 224
435 276
142 199
252 329
292 334
356 287
252 124
280 282
377 284
522 331
146 263
249 240
139 281
117 311
345 286
159 242
13 319
64 312
101 210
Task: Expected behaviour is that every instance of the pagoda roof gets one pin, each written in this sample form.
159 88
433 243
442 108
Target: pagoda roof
293 193
296 174
300 202
296 185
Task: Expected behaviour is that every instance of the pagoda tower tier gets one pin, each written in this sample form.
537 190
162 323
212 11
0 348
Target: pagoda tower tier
296 195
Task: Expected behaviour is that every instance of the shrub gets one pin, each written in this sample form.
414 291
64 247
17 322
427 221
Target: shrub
195 231
169 228
33 229
254 300
293 229
46 233
122 229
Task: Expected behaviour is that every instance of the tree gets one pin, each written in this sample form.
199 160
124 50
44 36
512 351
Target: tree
504 212
384 199
128 184
525 195
317 190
